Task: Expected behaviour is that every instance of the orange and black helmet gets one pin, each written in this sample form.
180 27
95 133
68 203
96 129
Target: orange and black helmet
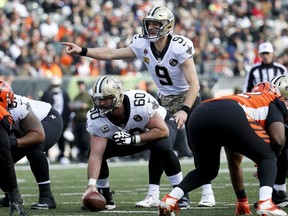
6 95
266 87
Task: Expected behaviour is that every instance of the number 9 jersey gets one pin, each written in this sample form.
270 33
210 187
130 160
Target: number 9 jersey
139 107
165 68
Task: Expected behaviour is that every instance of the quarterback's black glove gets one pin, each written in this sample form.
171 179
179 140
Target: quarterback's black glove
123 138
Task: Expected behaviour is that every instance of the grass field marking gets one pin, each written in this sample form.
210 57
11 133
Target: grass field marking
113 164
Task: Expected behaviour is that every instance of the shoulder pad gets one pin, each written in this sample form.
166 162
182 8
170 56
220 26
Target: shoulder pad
138 41
182 44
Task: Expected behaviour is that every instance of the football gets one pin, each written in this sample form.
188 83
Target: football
94 201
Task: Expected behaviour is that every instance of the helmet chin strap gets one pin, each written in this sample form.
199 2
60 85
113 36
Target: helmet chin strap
154 39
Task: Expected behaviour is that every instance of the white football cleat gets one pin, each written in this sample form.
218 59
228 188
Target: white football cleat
207 200
148 202
268 208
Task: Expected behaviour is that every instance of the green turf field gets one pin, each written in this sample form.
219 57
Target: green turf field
129 181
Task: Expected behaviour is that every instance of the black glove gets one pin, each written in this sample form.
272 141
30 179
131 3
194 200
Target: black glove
18 132
13 140
7 122
123 138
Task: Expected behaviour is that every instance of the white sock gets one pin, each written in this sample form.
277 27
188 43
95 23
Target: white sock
279 187
175 179
154 190
177 193
102 183
207 188
265 193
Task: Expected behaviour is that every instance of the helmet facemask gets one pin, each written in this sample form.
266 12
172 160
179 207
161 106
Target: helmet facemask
164 17
107 88
106 109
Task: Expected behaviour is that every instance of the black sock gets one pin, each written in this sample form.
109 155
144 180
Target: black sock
241 194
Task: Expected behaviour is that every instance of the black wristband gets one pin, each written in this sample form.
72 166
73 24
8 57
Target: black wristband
83 51
133 139
186 109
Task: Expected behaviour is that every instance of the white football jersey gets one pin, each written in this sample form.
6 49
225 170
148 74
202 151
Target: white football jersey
142 107
165 68
21 108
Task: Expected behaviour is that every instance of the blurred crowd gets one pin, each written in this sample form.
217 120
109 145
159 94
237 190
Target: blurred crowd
225 33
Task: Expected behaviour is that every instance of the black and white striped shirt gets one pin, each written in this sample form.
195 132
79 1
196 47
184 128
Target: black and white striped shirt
263 73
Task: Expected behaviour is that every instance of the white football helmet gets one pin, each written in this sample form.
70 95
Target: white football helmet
163 16
104 88
281 82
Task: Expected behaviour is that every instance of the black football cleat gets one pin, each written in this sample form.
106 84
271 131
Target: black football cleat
280 198
108 196
44 203
4 202
183 202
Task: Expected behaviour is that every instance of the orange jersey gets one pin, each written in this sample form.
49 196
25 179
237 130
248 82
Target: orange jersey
254 104
4 112
6 118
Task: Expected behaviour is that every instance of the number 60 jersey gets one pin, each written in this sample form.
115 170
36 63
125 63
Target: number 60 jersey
139 107
165 68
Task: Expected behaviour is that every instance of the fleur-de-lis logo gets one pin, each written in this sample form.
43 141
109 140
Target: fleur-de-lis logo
189 50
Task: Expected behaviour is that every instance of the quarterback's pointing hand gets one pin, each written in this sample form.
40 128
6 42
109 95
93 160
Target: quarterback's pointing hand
72 48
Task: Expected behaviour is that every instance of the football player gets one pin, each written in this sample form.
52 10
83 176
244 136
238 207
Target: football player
124 123
169 60
234 163
38 128
279 195
8 181
260 121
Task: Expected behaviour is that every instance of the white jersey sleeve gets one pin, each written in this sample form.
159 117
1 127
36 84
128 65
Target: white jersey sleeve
142 107
21 108
165 68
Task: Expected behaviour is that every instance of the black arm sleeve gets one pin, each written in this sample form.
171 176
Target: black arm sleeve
274 115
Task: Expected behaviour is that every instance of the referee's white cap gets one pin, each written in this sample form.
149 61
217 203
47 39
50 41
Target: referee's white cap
266 47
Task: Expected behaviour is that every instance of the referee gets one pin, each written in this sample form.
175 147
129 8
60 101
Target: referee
265 70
